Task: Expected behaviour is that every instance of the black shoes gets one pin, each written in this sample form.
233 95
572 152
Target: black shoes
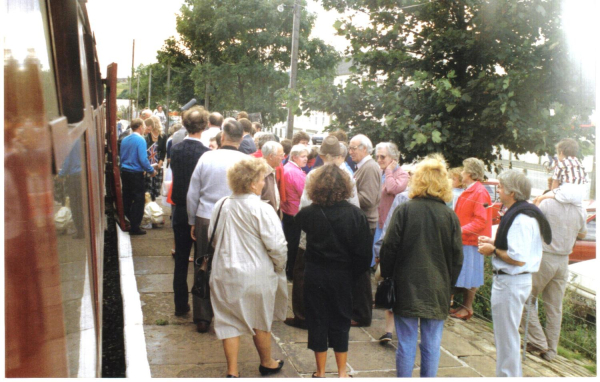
387 337
182 312
138 232
268 371
202 326
233 376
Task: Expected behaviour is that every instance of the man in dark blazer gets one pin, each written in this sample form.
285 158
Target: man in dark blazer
184 157
247 146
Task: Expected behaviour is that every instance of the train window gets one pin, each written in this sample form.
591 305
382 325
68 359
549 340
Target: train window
32 44
71 218
66 48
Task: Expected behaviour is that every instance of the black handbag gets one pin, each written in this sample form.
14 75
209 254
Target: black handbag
385 297
201 288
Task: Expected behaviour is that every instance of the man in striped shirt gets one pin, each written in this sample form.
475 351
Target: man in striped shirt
569 175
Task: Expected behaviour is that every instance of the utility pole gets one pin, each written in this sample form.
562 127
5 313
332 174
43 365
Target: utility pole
137 101
168 90
131 82
294 65
207 88
149 87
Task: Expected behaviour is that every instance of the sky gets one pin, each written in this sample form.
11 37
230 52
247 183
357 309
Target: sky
151 22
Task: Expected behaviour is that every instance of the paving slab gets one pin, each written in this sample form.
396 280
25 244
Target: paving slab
458 345
160 307
483 364
152 283
150 265
303 358
364 356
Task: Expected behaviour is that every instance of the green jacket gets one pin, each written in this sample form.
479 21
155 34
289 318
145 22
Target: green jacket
422 251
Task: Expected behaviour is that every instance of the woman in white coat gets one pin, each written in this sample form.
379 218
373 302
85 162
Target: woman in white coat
248 287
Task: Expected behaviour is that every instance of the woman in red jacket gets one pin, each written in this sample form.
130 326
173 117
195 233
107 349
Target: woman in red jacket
475 220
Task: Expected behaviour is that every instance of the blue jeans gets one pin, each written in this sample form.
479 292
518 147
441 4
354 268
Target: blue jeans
431 338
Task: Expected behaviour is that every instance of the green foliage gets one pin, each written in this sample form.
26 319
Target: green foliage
460 77
161 322
237 53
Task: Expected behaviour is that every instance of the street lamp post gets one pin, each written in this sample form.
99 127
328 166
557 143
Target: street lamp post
294 65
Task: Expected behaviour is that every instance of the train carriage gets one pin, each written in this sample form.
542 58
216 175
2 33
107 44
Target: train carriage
55 122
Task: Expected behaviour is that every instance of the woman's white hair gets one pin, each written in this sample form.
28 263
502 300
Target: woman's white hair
298 149
391 148
364 142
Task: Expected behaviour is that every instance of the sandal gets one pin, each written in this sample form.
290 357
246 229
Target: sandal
314 375
465 317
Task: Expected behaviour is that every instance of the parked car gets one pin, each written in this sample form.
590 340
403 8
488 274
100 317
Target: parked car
491 185
585 249
317 139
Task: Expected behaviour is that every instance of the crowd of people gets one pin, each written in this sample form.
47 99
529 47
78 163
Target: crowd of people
325 218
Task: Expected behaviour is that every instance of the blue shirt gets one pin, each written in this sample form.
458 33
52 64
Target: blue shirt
134 157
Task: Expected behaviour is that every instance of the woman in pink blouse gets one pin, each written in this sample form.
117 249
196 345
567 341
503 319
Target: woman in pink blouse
393 181
294 185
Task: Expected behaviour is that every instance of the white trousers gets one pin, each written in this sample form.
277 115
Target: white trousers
509 294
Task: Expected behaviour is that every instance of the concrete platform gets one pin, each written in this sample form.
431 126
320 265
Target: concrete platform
173 348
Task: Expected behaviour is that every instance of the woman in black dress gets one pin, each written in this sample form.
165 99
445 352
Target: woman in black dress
337 250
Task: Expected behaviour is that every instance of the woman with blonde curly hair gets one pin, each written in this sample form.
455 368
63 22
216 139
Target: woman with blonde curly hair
422 252
248 288
338 249
156 144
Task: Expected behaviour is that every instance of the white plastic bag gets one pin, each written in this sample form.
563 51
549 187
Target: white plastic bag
63 219
167 180
153 214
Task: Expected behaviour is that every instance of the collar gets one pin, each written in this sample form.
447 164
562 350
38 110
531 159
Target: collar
470 185
135 132
294 163
363 161
229 148
192 138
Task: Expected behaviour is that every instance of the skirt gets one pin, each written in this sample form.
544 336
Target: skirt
471 274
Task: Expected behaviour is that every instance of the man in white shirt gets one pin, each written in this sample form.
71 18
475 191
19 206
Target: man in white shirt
215 121
517 253
161 115
207 186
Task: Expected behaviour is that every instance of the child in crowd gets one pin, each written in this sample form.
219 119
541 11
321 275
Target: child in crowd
569 175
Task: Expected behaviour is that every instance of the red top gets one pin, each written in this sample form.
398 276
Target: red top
475 219
257 154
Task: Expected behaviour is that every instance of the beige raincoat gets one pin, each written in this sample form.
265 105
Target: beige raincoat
248 287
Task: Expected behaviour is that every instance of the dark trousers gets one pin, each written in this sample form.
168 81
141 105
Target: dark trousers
362 295
298 286
328 302
202 308
292 232
73 186
133 197
183 246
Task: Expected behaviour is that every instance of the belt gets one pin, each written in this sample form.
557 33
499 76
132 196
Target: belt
504 273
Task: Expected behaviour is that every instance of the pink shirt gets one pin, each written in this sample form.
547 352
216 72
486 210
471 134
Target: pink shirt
395 182
294 185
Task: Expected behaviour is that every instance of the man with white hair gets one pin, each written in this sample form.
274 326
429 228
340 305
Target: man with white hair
517 253
368 184
145 114
215 121
272 152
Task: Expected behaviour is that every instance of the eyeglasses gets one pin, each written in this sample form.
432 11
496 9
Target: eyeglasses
352 148
382 157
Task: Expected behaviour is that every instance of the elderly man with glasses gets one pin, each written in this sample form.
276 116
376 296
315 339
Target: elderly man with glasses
368 183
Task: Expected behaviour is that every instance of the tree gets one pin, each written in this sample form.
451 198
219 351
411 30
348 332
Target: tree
238 52
460 77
